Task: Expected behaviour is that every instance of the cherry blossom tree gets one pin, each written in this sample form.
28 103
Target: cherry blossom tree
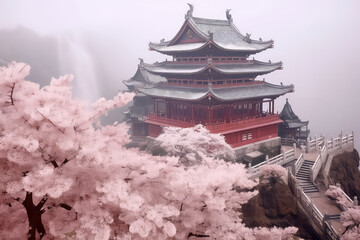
350 217
66 177
192 144
351 220
335 193
273 172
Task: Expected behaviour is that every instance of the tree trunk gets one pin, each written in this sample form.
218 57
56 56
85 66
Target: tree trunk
34 216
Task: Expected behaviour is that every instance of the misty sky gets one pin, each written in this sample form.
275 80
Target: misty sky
100 42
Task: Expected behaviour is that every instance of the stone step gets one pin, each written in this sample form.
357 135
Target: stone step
307 176
304 178
312 191
308 163
307 186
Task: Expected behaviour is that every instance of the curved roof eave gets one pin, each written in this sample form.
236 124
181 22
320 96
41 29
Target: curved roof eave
173 72
165 51
259 72
157 47
232 25
203 95
191 24
275 66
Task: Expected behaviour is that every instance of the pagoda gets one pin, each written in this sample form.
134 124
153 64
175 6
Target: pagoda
211 81
292 129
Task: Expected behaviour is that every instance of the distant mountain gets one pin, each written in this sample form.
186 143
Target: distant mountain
24 45
78 53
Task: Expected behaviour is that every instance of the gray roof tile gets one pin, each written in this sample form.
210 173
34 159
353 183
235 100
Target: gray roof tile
254 67
225 94
225 36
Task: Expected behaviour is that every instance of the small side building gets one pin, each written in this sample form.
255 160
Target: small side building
292 129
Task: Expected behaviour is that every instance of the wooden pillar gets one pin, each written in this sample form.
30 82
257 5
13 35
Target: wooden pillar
192 112
269 106
273 106
253 108
167 113
210 114
229 112
155 106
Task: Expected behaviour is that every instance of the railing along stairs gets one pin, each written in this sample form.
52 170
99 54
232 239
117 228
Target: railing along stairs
325 148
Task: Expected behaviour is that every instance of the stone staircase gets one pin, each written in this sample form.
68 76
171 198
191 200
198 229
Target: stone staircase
303 177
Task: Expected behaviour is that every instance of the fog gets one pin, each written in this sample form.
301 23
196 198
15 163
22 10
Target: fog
100 43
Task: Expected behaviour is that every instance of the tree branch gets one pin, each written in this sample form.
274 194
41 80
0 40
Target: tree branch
197 235
54 163
64 162
65 206
42 203
12 93
23 67
50 122
17 199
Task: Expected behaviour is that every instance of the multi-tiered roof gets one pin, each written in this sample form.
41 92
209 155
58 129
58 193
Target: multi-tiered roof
199 49
218 35
211 81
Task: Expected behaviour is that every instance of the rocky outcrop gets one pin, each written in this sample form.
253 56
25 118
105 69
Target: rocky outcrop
275 205
345 170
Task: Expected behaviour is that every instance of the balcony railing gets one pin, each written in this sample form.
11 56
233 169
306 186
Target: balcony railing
302 134
214 83
164 121
218 127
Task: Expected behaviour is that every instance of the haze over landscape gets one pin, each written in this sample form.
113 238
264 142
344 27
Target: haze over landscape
100 43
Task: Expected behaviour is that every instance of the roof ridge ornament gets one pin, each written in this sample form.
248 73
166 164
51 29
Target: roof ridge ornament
247 38
211 35
190 11
141 64
228 15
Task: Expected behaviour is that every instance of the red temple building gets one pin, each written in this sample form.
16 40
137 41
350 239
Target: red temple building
211 81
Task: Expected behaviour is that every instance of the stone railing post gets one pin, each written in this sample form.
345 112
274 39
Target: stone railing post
341 139
311 176
294 149
303 150
316 142
250 168
356 201
267 159
332 143
283 155
338 185
307 145
326 217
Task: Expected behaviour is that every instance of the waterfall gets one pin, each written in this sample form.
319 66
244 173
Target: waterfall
75 59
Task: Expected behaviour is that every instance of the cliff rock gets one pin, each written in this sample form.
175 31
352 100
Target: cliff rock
345 170
275 205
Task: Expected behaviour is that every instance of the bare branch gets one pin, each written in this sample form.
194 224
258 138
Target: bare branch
42 203
12 93
65 206
23 67
54 163
17 199
197 235
64 162
50 122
